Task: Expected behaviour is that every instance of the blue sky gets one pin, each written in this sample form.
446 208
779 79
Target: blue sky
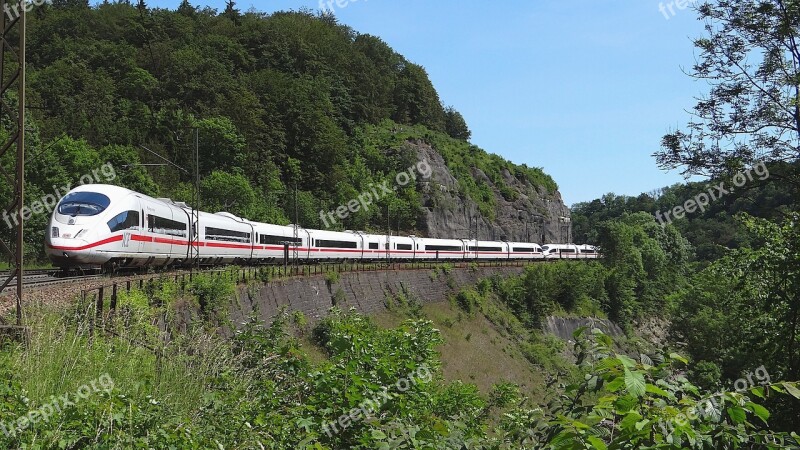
584 89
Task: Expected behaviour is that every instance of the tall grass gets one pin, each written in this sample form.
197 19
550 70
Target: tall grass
64 352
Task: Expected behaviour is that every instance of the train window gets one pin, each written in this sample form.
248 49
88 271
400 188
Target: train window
443 248
485 249
336 244
83 204
567 250
404 246
523 250
220 234
124 221
266 239
160 225
373 245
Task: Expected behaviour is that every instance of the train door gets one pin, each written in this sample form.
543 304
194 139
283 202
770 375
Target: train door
465 247
132 238
362 244
305 244
187 252
160 230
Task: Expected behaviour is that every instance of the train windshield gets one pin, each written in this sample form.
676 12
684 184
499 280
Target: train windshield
83 204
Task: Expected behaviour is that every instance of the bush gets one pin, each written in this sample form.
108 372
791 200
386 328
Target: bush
469 301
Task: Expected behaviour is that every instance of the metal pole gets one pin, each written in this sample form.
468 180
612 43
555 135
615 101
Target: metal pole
295 253
15 74
388 235
20 191
197 189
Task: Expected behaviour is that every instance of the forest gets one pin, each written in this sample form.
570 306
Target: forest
293 112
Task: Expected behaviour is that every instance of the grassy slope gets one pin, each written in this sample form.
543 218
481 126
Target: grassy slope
475 350
484 348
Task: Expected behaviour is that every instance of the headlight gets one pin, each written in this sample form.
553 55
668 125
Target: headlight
54 232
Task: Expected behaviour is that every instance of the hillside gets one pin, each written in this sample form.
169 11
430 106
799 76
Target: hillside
282 103
712 231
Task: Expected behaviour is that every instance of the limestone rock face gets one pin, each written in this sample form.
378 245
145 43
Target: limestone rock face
534 216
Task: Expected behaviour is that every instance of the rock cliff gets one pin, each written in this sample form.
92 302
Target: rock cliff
531 215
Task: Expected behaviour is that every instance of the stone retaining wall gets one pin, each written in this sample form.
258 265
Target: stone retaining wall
367 292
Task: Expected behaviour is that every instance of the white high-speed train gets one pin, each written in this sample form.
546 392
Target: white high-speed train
99 225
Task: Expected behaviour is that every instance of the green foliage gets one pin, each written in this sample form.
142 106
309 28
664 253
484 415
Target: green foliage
332 277
213 294
645 263
222 191
711 231
469 300
376 386
545 288
742 311
628 404
455 125
749 59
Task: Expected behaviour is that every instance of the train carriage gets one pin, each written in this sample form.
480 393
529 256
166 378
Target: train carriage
569 251
334 245
224 238
477 249
438 249
276 242
94 225
524 250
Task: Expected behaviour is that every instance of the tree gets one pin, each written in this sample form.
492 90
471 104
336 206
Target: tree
71 3
645 261
222 147
455 125
231 12
744 310
223 191
416 100
751 59
186 9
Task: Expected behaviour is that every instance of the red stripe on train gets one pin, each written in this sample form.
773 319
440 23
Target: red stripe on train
158 240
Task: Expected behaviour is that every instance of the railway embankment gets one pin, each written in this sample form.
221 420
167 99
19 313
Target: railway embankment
366 292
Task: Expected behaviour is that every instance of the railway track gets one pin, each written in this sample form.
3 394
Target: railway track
37 278
44 277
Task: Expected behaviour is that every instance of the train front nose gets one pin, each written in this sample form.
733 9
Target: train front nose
66 247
